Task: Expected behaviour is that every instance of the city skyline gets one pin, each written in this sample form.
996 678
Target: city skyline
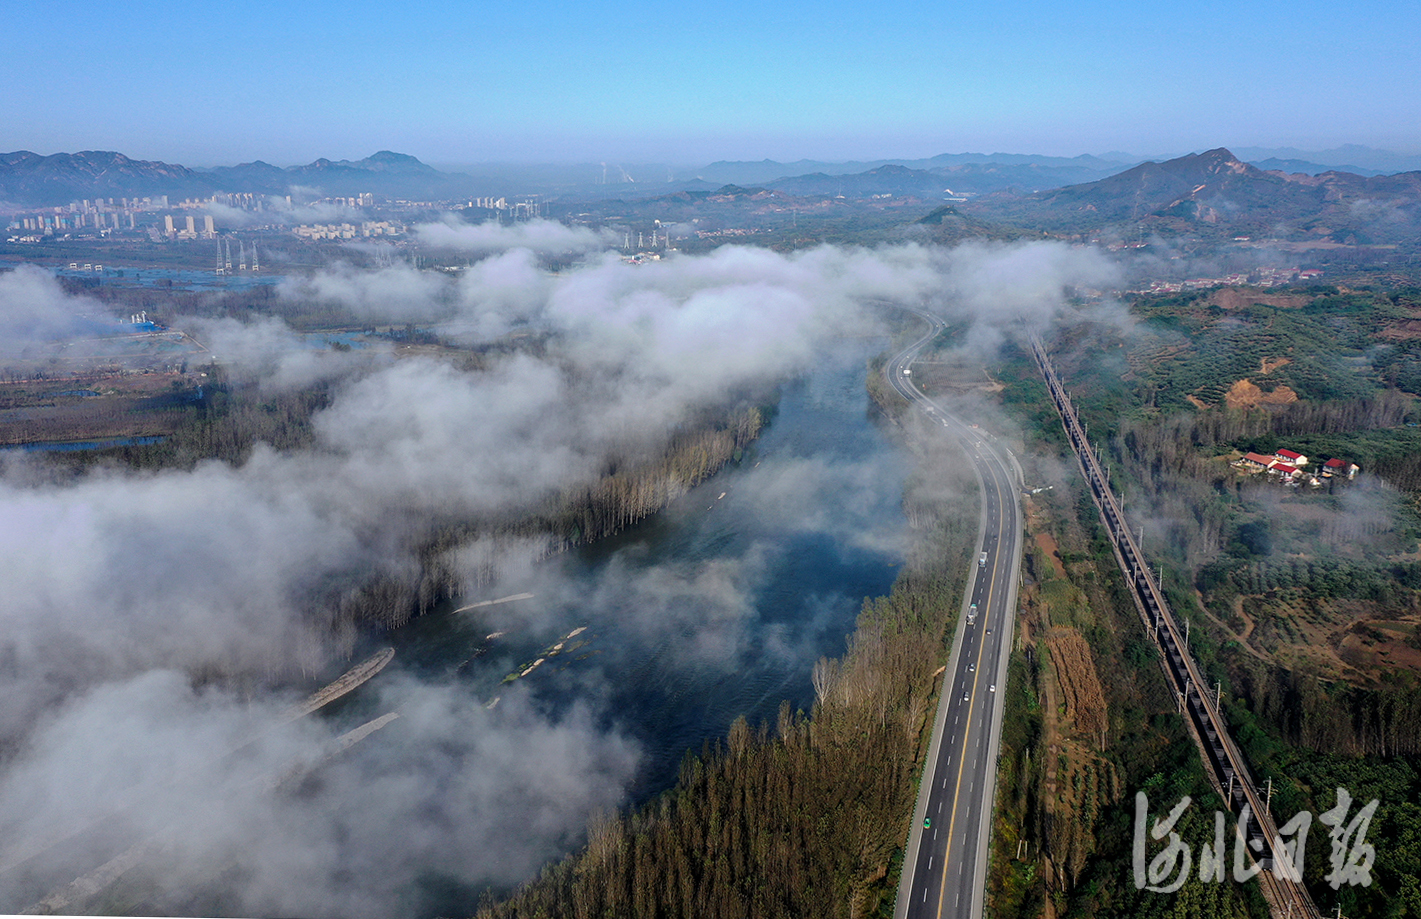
545 83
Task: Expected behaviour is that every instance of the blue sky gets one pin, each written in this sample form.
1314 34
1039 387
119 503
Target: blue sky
208 84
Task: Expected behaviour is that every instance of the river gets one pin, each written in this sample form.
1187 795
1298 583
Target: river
716 607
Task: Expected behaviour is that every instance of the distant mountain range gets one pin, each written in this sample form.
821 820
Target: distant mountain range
1062 170
1347 158
33 180
1215 193
943 181
395 174
1210 193
30 179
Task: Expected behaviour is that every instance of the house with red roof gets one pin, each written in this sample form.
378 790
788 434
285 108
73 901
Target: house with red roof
1291 457
1287 470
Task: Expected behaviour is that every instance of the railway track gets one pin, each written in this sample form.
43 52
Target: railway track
1285 892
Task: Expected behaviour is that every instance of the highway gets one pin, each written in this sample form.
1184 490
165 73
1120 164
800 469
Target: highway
945 866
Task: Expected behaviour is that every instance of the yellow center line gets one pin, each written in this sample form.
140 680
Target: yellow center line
967 732
986 616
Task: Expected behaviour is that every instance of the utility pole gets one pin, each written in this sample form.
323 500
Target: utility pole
1268 805
1218 693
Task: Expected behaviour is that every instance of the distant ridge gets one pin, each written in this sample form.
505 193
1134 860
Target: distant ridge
943 181
1353 158
1071 169
1194 183
30 179
1216 193
1274 164
1212 188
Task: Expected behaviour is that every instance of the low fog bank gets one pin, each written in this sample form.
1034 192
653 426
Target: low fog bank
133 600
35 310
238 816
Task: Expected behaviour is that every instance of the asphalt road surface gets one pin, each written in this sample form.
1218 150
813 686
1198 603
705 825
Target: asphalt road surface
945 867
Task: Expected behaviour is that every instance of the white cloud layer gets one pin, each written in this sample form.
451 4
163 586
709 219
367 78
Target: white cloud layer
546 237
116 583
33 309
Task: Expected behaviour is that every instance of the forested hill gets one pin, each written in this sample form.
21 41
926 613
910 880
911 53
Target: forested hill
1216 194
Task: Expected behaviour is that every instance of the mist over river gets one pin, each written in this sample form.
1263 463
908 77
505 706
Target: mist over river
714 608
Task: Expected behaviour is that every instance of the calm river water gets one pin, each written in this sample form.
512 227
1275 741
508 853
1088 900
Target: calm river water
717 606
